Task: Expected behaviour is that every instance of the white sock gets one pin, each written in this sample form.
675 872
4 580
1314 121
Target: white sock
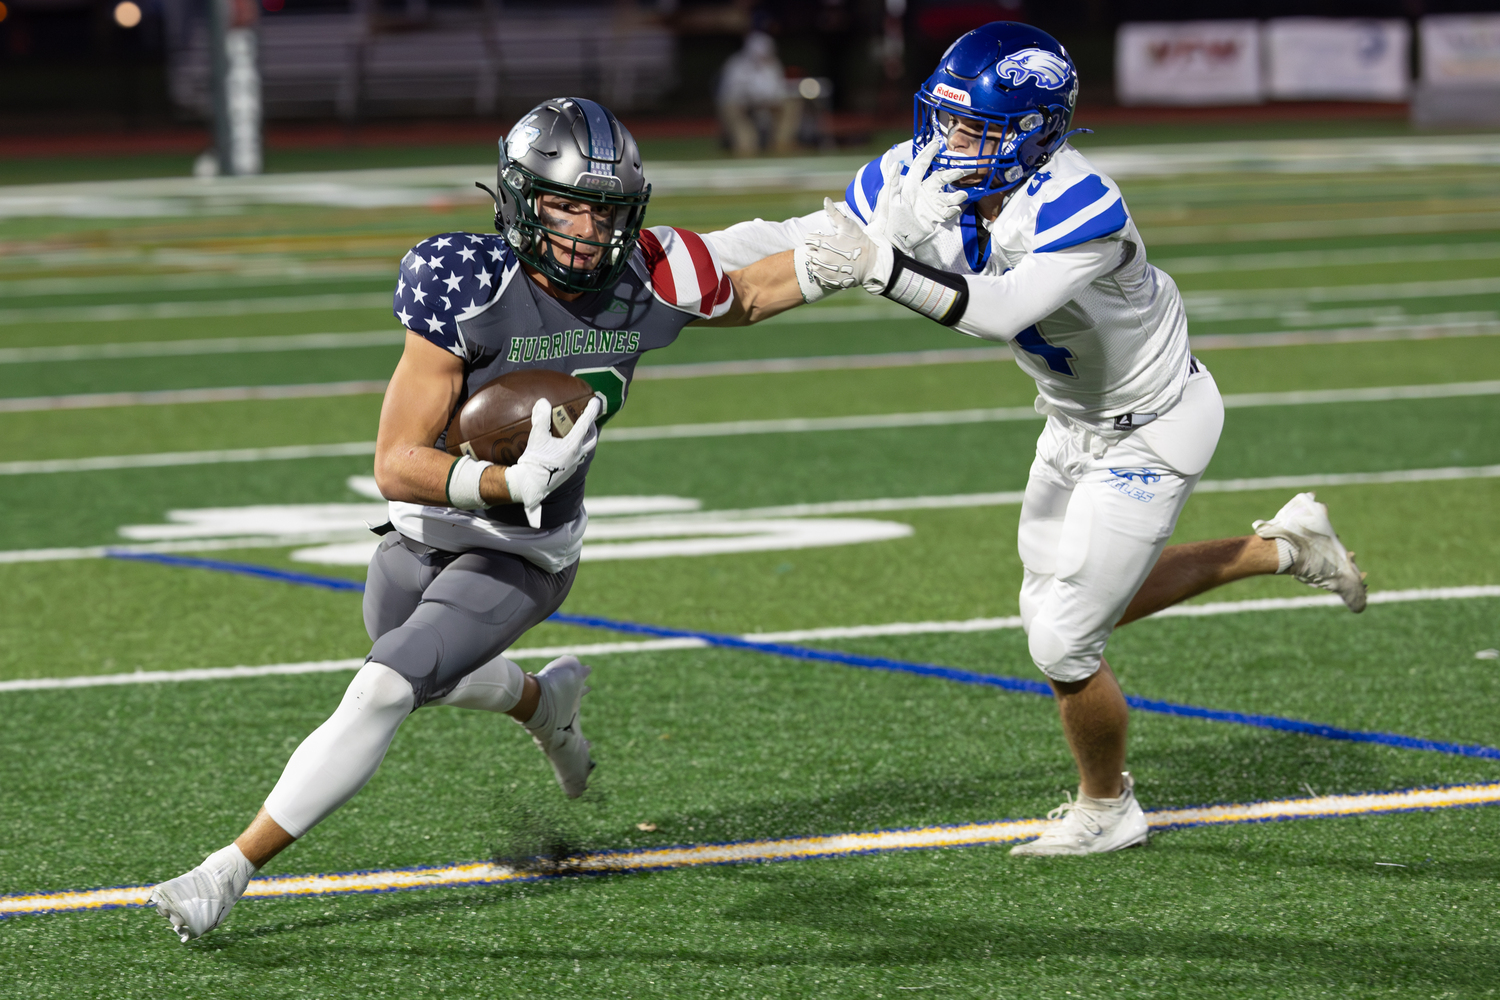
541 719
1285 553
494 687
342 754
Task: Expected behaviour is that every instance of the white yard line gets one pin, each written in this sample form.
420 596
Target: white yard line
792 636
174 397
941 418
1309 229
1216 304
171 458
1298 259
196 310
750 366
829 362
218 345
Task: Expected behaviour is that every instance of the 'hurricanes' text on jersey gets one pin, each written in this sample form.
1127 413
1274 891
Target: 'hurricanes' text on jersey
468 294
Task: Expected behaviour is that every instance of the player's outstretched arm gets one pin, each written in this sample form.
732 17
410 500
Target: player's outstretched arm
418 402
762 290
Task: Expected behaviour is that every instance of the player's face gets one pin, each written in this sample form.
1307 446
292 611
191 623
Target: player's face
571 220
970 137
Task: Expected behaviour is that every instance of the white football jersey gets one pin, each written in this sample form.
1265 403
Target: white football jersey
1064 277
1061 273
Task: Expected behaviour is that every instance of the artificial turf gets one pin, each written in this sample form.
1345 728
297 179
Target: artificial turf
131 784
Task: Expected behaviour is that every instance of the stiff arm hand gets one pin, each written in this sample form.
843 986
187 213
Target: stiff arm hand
846 256
548 461
911 208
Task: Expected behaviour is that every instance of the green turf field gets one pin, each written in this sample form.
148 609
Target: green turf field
1371 283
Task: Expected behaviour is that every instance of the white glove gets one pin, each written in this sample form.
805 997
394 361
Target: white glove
846 257
548 461
910 209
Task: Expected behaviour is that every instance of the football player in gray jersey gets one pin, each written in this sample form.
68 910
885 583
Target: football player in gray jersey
475 553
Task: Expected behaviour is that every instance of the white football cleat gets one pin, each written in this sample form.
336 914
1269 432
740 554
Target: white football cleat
197 902
1091 826
561 734
1319 559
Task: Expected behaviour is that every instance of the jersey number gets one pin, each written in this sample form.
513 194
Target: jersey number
1059 359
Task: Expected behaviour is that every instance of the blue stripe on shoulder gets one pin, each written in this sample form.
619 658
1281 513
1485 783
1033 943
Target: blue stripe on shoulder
1070 202
851 201
868 180
1111 220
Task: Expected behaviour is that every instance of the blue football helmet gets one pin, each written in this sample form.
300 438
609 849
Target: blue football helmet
1015 81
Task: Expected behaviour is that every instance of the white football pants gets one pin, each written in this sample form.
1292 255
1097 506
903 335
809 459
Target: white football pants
1093 526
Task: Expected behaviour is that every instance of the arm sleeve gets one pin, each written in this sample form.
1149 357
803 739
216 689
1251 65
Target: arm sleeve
686 273
1001 306
744 243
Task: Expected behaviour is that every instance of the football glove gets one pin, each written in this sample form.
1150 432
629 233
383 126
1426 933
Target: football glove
847 256
548 461
911 208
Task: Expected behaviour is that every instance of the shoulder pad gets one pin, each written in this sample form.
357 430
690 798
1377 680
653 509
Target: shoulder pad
1074 208
447 278
864 189
684 272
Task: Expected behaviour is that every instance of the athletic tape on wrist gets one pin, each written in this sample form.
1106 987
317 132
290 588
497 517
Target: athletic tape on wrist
934 293
463 483
811 290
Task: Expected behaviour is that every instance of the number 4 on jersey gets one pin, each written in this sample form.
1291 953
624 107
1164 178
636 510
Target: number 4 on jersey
1058 359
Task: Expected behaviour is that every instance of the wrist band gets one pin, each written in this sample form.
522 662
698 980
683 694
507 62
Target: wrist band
934 293
811 290
463 483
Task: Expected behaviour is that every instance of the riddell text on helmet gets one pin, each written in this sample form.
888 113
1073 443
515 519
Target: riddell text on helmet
953 94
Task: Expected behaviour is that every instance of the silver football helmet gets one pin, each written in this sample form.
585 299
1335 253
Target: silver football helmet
577 149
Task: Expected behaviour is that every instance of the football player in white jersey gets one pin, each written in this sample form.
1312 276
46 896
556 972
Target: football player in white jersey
991 223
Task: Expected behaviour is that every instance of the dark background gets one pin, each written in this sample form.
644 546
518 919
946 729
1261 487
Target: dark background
65 66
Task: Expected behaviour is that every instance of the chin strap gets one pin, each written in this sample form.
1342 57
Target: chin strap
939 295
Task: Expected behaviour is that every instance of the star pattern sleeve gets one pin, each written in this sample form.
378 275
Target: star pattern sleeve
448 278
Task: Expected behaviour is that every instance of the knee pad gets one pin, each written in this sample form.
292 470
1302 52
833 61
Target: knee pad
412 651
379 688
1057 658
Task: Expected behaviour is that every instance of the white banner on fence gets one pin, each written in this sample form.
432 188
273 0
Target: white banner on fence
1189 62
1461 50
1320 58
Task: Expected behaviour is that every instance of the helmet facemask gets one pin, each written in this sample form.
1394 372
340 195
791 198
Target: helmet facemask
539 245
1011 146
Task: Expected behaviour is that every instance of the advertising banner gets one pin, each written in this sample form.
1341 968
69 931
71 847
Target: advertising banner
1188 63
1461 50
1319 58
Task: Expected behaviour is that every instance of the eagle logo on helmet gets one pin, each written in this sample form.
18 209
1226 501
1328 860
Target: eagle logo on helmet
1049 68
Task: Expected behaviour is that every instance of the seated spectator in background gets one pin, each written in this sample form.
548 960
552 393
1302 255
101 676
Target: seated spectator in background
753 91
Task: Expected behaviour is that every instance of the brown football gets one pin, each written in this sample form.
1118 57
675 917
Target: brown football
496 421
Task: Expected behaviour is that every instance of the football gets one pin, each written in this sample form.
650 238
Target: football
495 422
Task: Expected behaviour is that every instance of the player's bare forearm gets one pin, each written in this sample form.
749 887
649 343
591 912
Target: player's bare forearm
762 290
421 394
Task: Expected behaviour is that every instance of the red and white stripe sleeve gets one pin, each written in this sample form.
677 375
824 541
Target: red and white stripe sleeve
685 272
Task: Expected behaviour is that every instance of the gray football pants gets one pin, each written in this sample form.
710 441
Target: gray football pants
437 616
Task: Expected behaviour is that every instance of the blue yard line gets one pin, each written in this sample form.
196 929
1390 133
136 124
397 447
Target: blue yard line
244 569
1016 684
1035 687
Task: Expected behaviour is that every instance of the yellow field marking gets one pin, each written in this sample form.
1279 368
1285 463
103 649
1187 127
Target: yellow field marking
793 849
